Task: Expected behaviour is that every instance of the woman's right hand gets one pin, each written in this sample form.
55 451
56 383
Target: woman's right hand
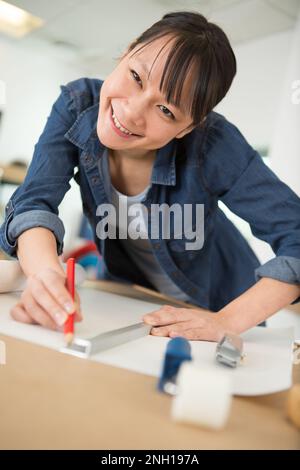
46 301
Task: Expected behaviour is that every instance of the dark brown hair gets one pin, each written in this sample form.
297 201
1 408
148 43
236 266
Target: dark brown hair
200 47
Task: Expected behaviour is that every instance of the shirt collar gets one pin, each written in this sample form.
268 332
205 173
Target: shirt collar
84 128
83 133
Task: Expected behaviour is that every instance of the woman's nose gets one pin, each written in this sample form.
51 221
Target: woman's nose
135 113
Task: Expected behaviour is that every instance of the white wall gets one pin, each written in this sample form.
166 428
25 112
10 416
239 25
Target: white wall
254 98
32 73
285 148
32 76
254 103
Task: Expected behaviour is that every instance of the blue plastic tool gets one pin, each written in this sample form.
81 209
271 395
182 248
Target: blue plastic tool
178 350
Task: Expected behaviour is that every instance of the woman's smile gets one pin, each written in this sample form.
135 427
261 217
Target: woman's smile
118 128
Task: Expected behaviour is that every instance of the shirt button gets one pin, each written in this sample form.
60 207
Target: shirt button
87 158
95 179
156 246
192 291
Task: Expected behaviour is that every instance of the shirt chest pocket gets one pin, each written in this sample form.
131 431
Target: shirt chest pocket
189 241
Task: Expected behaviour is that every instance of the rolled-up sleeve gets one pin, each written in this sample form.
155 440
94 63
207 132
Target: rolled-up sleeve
251 190
35 202
282 268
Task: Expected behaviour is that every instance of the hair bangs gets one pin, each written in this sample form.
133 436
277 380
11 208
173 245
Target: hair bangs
180 77
200 65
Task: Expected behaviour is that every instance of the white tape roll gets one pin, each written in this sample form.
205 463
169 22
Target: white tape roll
204 396
12 278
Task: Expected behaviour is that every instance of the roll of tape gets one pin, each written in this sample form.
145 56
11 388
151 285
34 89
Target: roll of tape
204 397
293 405
12 278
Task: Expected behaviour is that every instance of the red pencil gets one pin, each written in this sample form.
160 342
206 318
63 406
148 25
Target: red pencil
69 324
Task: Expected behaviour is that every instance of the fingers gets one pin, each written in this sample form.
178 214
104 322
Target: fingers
46 301
185 330
189 323
37 316
56 287
167 315
199 334
171 330
195 334
37 313
49 291
19 314
38 300
55 284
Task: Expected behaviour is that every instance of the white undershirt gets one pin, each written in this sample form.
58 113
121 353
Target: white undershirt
140 249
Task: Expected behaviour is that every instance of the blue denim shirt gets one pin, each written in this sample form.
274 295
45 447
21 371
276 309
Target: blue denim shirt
207 165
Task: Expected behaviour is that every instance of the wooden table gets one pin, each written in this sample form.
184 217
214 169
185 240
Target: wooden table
53 401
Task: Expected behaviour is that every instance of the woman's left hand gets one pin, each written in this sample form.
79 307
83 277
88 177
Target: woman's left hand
193 324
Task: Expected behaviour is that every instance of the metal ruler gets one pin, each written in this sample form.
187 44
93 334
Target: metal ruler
85 347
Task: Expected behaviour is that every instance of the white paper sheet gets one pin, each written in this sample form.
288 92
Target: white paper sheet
267 367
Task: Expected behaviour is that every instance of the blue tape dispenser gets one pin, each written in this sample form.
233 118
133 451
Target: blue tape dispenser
178 350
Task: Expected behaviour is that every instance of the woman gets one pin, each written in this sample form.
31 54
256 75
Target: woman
147 135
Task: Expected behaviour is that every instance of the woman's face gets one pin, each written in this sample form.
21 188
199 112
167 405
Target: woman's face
138 104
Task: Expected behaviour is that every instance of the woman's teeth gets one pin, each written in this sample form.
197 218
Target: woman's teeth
118 125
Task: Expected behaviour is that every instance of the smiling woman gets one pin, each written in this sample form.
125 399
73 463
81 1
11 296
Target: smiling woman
147 138
165 84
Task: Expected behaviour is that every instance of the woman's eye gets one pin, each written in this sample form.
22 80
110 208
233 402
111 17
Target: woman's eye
165 110
135 76
168 112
